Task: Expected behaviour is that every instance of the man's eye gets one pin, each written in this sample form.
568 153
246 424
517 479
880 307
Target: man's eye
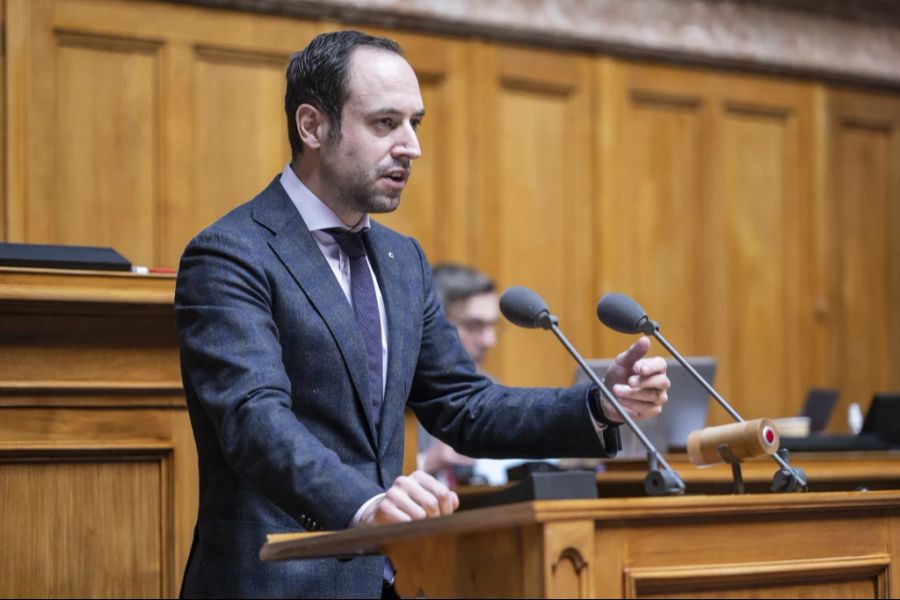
415 124
385 123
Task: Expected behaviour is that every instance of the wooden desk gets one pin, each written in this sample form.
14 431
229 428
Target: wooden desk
818 545
826 471
98 470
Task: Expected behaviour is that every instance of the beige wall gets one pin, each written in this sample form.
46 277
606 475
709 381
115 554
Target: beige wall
755 217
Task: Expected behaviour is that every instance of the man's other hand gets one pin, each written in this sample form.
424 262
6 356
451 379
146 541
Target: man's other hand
411 498
639 383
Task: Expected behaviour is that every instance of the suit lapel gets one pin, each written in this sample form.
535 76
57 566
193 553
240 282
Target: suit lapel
301 256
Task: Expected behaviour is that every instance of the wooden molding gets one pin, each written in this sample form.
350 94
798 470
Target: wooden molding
83 449
645 581
76 286
854 44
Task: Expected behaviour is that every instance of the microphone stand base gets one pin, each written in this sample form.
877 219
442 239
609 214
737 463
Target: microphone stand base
785 479
661 482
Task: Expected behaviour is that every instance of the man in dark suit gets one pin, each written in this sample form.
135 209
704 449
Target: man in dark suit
305 329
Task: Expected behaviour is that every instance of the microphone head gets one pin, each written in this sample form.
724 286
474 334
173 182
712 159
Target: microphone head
523 307
621 313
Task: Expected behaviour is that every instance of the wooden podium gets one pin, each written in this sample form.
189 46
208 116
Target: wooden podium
816 545
98 468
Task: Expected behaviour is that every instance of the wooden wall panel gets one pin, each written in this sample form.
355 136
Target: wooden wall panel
79 511
688 189
161 118
106 97
3 129
535 209
711 198
864 243
704 219
87 348
762 255
653 139
240 138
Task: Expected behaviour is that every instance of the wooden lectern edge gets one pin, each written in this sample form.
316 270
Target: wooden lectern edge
303 535
367 540
82 286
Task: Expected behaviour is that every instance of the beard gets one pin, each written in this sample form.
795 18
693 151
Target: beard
354 188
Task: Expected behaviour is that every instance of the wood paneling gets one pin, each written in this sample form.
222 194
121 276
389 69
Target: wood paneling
80 511
865 577
746 546
107 105
652 161
704 219
240 139
3 128
863 236
759 245
98 476
754 217
137 123
751 216
535 208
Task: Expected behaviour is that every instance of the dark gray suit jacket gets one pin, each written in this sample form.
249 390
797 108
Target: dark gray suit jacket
274 371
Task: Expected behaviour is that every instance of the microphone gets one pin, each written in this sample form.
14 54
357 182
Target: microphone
621 313
732 442
525 308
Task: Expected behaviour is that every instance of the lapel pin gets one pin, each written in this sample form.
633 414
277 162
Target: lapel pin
391 255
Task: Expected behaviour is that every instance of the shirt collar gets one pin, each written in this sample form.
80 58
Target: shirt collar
315 213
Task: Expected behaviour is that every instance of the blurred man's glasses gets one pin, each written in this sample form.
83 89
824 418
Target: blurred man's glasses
476 326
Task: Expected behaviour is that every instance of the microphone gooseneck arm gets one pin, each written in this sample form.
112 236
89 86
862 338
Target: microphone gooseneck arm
690 369
649 327
652 453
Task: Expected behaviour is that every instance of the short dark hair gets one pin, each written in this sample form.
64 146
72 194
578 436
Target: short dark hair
318 75
455 283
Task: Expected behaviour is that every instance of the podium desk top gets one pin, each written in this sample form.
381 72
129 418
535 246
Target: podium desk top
688 508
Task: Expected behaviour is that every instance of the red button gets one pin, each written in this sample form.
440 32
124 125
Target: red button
769 435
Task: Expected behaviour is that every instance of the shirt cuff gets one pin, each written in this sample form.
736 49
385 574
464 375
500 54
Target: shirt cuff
354 522
599 427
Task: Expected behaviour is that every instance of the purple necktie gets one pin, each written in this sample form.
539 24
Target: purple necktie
365 306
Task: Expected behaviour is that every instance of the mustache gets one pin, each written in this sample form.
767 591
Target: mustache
396 164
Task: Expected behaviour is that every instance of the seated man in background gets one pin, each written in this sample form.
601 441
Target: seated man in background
470 302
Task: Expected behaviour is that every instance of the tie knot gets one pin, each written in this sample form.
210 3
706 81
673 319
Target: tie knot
350 243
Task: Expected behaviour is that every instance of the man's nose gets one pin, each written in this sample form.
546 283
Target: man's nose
489 337
407 145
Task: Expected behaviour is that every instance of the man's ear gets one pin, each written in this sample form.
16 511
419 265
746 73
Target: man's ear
311 124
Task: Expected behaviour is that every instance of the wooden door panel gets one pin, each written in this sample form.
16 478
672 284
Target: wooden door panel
81 528
863 246
535 213
106 104
705 220
650 222
139 123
